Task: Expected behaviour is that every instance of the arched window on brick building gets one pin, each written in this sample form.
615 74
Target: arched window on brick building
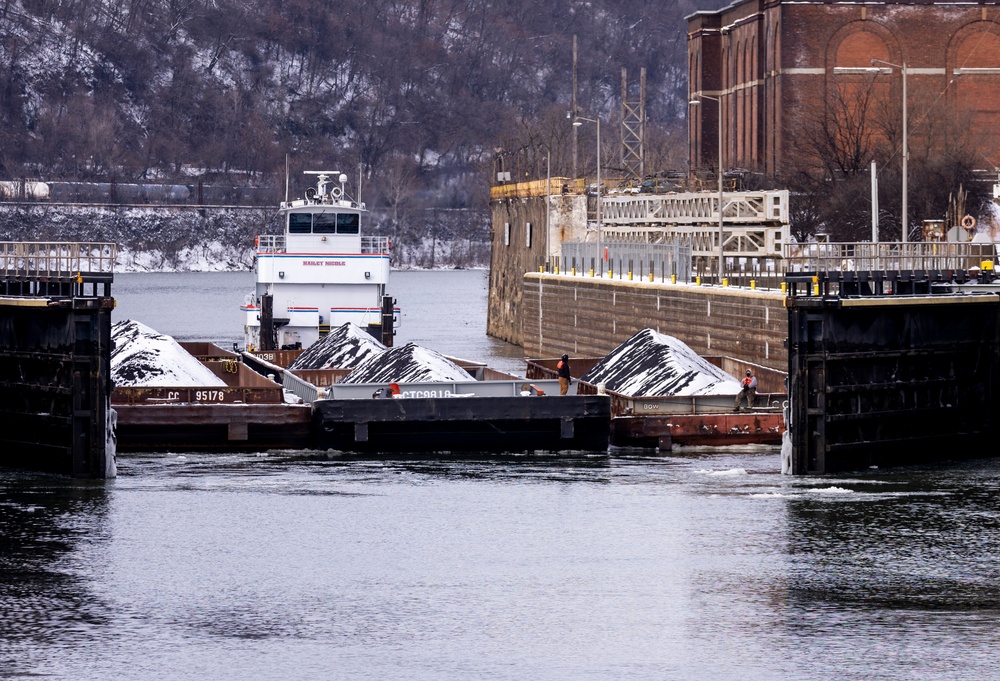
975 58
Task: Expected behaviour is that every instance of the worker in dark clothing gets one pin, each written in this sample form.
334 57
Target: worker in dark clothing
562 371
748 390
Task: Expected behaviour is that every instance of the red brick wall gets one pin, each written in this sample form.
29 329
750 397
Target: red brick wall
774 64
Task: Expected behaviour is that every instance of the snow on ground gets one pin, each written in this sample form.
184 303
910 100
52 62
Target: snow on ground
409 363
142 357
345 348
653 364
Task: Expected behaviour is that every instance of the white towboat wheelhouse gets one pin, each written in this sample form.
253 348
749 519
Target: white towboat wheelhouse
319 273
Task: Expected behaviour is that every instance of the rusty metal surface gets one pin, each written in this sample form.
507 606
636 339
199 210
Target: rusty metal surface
281 358
699 429
243 386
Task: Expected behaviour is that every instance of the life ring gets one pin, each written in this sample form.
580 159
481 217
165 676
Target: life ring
968 222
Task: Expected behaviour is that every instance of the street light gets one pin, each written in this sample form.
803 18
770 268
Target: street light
717 100
906 152
577 122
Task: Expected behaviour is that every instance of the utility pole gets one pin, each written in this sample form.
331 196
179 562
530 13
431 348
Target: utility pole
574 110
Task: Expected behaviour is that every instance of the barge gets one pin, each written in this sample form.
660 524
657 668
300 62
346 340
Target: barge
248 413
662 422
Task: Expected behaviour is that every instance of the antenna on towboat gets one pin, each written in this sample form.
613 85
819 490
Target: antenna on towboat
320 193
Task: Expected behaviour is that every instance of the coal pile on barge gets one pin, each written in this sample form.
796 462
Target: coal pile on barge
345 348
653 364
408 363
141 356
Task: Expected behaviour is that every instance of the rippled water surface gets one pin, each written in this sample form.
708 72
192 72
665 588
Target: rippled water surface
698 565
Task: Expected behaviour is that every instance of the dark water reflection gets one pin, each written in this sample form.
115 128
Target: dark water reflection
43 522
291 565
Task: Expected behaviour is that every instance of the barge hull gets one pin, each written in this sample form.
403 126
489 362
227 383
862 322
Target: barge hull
710 430
212 427
473 424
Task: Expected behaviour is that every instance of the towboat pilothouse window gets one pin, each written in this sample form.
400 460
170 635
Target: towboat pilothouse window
348 223
323 223
299 223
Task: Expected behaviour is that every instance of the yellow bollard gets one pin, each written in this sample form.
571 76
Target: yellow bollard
630 276
725 282
557 269
784 287
697 281
541 268
815 289
673 278
650 277
753 284
591 271
574 270
611 273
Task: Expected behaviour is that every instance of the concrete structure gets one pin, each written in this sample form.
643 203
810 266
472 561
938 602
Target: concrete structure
588 317
783 70
530 220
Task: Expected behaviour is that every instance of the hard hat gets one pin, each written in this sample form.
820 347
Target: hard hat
565 356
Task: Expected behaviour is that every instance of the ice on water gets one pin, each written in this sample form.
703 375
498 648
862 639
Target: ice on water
409 363
653 364
141 356
345 348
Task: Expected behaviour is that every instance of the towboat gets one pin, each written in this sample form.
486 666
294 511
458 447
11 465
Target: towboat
319 273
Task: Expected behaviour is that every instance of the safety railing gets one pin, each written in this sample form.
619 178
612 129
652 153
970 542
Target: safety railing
275 243
824 259
57 261
655 262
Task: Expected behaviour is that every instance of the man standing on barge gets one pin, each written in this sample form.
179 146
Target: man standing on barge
562 371
749 390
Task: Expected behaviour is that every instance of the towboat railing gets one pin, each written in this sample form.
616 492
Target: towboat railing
275 243
57 261
374 244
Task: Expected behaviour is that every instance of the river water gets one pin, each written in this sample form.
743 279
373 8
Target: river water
699 565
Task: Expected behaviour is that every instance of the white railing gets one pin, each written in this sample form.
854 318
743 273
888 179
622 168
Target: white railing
56 260
824 258
275 243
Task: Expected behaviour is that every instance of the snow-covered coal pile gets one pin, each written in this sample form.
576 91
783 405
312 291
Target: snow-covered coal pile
347 347
409 363
651 364
143 357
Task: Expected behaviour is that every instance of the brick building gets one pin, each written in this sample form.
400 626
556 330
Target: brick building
791 77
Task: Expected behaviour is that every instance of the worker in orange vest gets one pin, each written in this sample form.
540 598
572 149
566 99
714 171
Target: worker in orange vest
748 389
562 371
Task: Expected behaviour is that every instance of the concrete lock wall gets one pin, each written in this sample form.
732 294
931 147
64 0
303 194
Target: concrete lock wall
586 316
524 236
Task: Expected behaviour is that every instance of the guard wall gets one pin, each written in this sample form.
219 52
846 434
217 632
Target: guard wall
588 317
